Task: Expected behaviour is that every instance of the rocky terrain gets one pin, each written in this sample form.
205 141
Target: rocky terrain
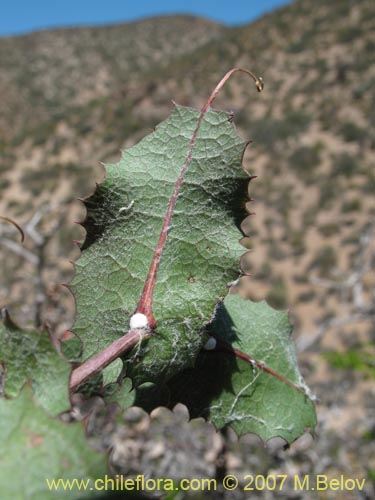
74 97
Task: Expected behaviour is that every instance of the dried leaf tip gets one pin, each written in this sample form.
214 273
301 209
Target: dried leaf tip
259 83
257 79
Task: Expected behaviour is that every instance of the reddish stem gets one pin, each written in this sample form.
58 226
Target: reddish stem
130 339
105 357
145 302
224 346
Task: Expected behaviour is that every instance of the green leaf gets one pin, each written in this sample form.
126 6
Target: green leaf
29 355
35 447
230 391
201 255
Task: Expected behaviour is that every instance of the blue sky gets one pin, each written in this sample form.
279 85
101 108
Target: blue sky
18 16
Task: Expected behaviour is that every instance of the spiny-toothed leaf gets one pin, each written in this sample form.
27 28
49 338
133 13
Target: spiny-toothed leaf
201 255
35 447
29 355
229 391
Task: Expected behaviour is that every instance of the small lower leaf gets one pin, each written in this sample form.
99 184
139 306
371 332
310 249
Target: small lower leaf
30 355
229 391
35 447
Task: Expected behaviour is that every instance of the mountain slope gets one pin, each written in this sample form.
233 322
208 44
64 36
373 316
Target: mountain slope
50 71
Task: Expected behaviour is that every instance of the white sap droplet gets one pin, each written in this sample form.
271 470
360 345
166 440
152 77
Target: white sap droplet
138 320
210 344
